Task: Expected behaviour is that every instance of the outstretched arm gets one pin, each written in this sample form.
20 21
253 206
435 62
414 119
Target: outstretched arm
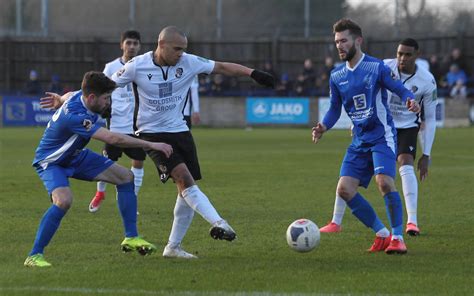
120 140
232 69
53 100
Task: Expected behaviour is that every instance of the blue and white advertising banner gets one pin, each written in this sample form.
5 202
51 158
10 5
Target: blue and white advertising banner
344 121
24 111
277 110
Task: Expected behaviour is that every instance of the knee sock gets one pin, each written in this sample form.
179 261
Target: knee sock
365 213
199 202
48 226
339 209
183 216
101 186
138 173
393 204
127 204
410 191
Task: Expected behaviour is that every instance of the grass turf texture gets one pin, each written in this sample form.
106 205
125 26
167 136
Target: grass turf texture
260 181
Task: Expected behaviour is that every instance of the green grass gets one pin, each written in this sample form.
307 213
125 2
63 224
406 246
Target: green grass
260 181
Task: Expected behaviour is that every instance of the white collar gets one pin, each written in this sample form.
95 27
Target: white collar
358 63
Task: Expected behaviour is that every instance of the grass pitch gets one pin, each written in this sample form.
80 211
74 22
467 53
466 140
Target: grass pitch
260 181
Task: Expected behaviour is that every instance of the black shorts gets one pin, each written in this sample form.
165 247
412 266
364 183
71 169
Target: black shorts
407 139
114 152
184 151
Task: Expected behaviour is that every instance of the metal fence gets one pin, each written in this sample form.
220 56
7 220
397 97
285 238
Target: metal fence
70 59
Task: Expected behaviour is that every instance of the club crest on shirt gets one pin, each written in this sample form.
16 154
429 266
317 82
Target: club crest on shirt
179 72
414 88
120 72
87 124
393 75
368 81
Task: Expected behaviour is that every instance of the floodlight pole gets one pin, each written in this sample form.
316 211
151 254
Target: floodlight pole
44 17
131 14
306 18
219 19
19 15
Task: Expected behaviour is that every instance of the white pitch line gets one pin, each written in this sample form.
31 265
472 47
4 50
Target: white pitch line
95 291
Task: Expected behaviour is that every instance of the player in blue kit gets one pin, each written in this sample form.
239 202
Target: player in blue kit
61 155
360 85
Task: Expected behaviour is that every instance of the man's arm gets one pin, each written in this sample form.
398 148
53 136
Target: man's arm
120 140
396 86
53 100
429 106
232 69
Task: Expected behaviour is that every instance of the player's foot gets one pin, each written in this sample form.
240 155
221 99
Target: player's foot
396 247
96 201
222 230
177 252
331 227
36 260
138 244
412 229
380 244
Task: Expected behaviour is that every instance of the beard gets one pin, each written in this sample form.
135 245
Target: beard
351 53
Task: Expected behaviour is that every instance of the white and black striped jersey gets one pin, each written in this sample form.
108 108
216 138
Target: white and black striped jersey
162 90
423 85
123 102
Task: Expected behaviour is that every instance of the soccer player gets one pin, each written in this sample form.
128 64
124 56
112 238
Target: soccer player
360 86
61 155
121 119
423 85
163 78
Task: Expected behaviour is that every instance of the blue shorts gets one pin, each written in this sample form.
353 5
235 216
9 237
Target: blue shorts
363 164
85 166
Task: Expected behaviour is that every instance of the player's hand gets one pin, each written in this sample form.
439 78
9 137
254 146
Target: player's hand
162 147
263 78
413 106
195 118
318 131
423 164
51 100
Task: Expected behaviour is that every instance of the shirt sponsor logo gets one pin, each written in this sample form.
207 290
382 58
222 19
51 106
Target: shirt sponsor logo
360 102
165 89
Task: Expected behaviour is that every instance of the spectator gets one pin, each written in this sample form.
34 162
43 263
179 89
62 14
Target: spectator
458 58
300 89
55 85
268 67
325 73
435 68
284 87
218 85
33 85
204 85
309 73
459 90
455 75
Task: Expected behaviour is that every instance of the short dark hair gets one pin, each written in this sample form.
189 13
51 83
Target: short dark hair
132 34
95 82
410 42
347 24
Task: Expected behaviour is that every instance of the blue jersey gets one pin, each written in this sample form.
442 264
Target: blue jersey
67 133
362 92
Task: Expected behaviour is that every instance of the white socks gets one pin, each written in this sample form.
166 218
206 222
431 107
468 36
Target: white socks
339 209
101 186
138 173
201 204
410 191
183 216
383 232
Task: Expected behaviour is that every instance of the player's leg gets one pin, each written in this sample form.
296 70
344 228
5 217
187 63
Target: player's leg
385 171
113 153
98 168
338 214
407 142
357 170
56 182
183 216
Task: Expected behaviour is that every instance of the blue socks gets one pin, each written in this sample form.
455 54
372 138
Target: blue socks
47 228
127 204
365 213
393 204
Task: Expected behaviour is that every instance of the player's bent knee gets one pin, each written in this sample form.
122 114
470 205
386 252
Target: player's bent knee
345 192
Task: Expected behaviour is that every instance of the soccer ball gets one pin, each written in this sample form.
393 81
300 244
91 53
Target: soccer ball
303 235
